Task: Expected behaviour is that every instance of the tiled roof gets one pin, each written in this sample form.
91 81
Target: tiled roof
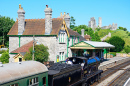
87 37
37 27
24 48
71 32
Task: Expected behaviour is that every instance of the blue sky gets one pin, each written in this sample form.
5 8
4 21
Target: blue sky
111 11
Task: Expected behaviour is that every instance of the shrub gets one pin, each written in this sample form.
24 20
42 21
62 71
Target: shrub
4 57
2 51
127 49
113 53
117 42
41 53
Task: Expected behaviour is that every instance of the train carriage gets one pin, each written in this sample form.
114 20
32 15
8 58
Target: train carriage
27 73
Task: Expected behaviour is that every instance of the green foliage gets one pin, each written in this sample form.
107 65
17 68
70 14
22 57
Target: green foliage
122 34
41 53
103 32
4 57
113 53
2 51
117 42
72 22
122 28
88 31
127 49
5 25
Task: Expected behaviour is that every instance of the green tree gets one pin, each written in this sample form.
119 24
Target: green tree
6 24
4 57
127 49
88 31
72 22
41 53
122 28
117 42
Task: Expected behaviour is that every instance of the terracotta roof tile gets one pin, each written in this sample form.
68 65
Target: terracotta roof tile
87 37
37 27
24 48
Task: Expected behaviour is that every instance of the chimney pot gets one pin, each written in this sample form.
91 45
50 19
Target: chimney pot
46 6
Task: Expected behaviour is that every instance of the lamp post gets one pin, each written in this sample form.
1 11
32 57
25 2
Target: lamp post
33 48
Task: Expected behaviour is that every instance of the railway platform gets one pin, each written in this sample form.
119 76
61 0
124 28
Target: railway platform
111 62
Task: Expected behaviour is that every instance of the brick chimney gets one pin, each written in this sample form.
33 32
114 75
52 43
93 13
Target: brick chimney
48 20
67 19
21 20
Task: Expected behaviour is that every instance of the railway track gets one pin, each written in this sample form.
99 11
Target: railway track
121 79
111 71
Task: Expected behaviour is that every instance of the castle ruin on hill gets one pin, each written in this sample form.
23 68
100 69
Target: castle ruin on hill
92 24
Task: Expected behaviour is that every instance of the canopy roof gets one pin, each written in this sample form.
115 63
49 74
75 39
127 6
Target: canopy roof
91 45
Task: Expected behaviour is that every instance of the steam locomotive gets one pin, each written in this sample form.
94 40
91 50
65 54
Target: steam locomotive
81 72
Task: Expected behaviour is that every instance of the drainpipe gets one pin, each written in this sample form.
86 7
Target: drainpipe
19 41
78 39
67 45
72 40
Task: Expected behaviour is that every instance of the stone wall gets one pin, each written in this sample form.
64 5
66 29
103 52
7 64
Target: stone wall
13 43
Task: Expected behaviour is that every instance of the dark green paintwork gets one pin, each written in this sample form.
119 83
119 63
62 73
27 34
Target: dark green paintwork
24 81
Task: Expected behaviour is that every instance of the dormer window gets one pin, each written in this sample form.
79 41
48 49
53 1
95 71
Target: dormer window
62 38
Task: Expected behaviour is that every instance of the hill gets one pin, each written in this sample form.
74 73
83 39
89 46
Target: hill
120 33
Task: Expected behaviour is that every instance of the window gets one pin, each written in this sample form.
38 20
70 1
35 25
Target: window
20 59
61 56
44 81
33 82
14 84
62 38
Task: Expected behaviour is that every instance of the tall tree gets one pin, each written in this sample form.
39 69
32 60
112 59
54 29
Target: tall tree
72 22
5 25
117 42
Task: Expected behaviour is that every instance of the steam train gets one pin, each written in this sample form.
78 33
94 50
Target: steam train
81 72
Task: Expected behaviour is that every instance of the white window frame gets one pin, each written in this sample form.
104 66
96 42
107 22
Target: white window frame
62 37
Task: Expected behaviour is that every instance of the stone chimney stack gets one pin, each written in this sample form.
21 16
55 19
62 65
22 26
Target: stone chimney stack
100 22
82 32
67 19
21 20
48 20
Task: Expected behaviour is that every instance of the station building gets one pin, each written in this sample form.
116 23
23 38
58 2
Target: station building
55 33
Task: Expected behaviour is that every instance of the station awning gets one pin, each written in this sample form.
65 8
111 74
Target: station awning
91 45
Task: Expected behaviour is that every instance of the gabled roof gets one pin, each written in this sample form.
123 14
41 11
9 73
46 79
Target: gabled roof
37 27
24 48
71 32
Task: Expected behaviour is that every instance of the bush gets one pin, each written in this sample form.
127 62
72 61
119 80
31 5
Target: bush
2 51
117 42
127 49
4 57
113 53
41 53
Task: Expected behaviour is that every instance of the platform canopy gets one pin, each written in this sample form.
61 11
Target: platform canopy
91 45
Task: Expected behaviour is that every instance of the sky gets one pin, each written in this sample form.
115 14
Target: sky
111 11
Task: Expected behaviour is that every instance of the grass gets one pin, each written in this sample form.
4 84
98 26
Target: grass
104 32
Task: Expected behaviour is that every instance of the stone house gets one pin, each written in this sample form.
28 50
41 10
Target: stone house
55 33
